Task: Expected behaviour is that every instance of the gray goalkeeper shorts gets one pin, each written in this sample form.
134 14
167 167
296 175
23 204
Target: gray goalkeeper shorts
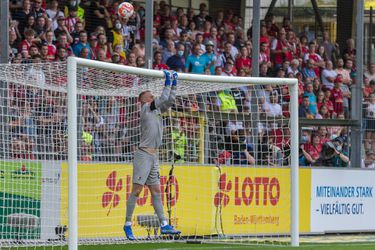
146 168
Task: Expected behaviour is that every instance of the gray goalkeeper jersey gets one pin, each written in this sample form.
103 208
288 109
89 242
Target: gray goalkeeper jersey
151 118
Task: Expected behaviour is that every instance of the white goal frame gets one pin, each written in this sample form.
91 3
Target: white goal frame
74 62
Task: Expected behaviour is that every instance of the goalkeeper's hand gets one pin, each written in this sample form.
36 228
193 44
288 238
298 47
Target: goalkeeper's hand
175 77
167 78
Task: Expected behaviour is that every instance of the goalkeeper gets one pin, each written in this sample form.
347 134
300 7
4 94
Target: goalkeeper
145 164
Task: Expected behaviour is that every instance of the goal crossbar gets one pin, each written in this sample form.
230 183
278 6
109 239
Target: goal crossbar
72 65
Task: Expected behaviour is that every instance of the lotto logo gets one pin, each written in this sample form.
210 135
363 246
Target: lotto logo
256 191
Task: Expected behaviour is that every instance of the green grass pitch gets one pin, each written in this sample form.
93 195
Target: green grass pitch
171 246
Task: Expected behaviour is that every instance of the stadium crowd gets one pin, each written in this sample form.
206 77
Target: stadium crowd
197 42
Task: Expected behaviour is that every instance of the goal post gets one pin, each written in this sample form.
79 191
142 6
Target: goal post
228 158
72 65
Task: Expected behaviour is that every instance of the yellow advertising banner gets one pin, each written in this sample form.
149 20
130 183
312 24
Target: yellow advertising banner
203 200
369 4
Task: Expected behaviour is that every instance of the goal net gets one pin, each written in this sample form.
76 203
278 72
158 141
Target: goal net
225 160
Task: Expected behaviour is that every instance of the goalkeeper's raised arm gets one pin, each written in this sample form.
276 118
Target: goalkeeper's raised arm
151 120
168 96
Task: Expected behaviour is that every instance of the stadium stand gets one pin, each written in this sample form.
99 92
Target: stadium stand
185 41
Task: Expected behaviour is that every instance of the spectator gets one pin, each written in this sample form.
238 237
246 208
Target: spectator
323 134
22 15
337 96
238 148
302 47
328 76
179 142
14 43
314 149
82 44
44 53
309 91
229 69
350 51
33 51
184 41
346 96
332 50
315 59
268 152
244 61
226 102
61 54
307 33
30 23
62 41
98 16
78 27
304 109
115 37
369 161
140 62
195 63
264 39
54 12
183 24
132 60
28 41
200 19
309 72
334 154
322 53
210 56
320 99
102 44
199 40
169 51
345 74
273 108
72 19
168 37
85 53
177 61
370 123
280 49
212 37
367 89
294 67
263 70
158 65
174 27
80 8
329 103
370 73
323 113
62 29
349 66
264 54
38 11
225 55
41 28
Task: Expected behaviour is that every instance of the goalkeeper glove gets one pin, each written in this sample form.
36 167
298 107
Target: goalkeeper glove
175 77
167 78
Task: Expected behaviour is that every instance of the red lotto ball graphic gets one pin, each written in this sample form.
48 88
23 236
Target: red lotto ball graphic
125 10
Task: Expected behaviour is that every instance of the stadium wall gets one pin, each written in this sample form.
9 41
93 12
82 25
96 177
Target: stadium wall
252 200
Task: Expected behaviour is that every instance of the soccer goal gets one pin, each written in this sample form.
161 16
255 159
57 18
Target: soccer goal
228 161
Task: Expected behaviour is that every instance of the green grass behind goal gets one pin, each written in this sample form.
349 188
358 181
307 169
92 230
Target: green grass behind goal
167 246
